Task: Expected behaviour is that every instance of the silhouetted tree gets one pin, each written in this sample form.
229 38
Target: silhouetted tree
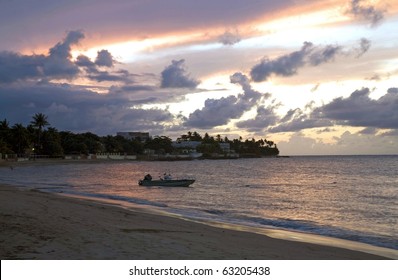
112 144
5 135
20 139
196 136
161 144
73 143
51 140
39 122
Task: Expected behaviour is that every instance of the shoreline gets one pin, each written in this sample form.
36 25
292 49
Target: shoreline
39 225
277 233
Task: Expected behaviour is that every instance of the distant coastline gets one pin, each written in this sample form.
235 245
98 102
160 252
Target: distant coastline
34 142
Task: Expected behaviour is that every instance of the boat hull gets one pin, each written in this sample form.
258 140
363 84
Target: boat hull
167 183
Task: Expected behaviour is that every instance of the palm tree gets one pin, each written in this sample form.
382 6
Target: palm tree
4 124
4 130
20 138
52 142
39 121
196 136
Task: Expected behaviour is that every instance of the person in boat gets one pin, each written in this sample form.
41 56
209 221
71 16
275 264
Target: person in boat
148 177
167 176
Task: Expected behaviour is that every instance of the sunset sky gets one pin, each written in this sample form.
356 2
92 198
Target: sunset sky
316 77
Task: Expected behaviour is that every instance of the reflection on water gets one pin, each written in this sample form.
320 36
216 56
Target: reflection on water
348 197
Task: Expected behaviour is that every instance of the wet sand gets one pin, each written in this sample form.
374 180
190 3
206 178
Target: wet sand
37 225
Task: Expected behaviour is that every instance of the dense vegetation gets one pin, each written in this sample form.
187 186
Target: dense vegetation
38 138
248 148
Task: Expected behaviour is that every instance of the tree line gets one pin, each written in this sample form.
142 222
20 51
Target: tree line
39 138
250 147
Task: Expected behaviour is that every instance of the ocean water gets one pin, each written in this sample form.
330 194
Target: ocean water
348 197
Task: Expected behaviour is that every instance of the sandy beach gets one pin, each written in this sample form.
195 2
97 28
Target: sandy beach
37 225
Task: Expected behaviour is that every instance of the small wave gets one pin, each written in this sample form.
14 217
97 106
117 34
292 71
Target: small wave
214 211
119 198
315 228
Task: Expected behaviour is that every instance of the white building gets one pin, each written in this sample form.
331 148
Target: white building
186 144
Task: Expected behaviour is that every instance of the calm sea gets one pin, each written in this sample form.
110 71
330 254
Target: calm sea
348 197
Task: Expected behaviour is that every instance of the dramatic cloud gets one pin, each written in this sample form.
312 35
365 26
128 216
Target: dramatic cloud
118 76
320 55
364 46
360 110
84 61
249 93
32 83
265 117
366 12
288 65
175 76
218 112
58 64
296 120
79 109
104 58
229 38
357 110
14 67
74 107
62 49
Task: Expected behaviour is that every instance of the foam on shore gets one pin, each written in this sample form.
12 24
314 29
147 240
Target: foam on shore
38 225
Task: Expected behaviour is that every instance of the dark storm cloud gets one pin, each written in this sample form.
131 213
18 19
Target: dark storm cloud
265 117
229 38
143 94
84 61
30 84
323 55
104 58
296 120
360 110
78 109
218 112
56 65
105 76
62 49
288 65
357 110
392 91
175 76
14 67
366 12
